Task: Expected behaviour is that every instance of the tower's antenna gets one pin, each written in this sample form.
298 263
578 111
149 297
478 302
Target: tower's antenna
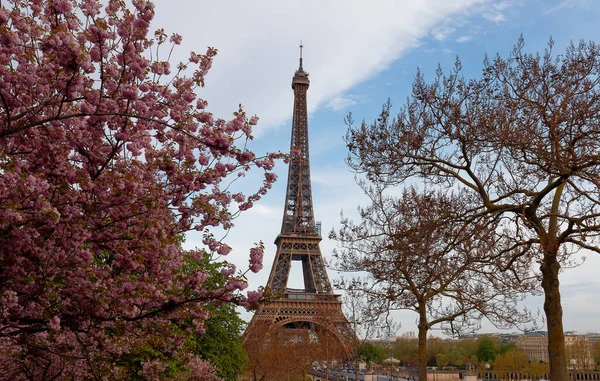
301 46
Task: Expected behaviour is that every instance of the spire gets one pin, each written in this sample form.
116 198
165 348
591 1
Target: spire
301 46
300 76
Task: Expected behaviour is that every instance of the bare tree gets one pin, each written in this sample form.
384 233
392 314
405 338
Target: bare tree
522 140
420 255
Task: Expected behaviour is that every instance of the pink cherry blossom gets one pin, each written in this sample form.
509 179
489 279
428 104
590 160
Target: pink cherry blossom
176 39
256 257
106 159
254 296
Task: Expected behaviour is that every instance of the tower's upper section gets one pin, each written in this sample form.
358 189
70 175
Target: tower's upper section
298 215
300 77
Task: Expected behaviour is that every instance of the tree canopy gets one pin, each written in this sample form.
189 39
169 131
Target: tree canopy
511 365
419 255
108 156
521 142
486 349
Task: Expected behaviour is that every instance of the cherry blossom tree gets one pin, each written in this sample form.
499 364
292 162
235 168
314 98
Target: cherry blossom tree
522 141
107 157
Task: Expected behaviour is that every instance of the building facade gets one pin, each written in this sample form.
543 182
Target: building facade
534 347
578 348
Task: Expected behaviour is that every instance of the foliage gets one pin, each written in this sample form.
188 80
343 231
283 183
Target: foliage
520 142
458 352
405 350
457 356
503 348
221 343
442 359
107 157
537 370
486 349
514 362
370 353
596 351
435 346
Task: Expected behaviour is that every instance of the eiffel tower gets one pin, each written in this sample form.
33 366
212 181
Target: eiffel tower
314 306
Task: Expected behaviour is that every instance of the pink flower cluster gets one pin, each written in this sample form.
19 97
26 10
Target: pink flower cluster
107 157
254 296
201 370
256 258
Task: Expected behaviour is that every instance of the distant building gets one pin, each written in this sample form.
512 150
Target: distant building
593 337
534 347
536 333
503 337
578 348
507 338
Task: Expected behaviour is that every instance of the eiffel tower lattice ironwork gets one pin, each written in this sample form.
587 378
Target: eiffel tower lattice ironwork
316 305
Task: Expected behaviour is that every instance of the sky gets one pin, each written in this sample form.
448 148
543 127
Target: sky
358 54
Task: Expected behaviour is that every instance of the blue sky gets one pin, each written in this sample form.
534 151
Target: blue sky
358 54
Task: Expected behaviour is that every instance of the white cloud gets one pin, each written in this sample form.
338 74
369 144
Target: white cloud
564 5
495 13
345 43
502 5
442 32
496 17
462 39
340 103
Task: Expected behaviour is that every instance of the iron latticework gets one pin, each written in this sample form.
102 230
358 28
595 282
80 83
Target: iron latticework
314 306
298 214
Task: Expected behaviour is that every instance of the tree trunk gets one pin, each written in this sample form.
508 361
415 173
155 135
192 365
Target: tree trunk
422 348
553 310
